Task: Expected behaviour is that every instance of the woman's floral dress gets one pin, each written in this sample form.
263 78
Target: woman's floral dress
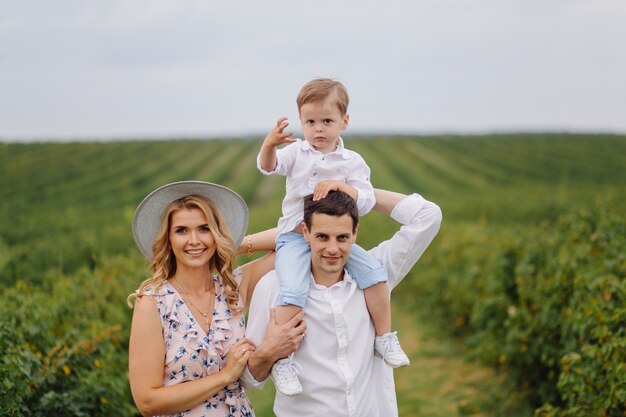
191 354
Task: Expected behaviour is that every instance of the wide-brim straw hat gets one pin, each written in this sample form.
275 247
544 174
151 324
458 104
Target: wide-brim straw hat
147 218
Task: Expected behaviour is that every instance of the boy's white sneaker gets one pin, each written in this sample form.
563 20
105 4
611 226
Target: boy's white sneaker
285 376
388 347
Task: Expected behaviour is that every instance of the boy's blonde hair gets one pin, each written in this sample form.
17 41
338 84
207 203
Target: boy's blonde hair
320 88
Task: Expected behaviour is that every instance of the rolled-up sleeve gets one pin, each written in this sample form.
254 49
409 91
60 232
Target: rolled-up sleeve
264 298
365 201
360 180
248 381
420 221
285 158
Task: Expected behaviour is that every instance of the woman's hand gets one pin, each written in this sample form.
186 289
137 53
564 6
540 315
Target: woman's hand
237 358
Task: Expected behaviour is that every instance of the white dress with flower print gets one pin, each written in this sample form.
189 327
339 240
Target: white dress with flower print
191 354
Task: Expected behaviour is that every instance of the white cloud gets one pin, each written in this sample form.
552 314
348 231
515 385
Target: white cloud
146 67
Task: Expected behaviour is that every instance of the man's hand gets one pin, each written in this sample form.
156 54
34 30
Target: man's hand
279 342
324 187
284 339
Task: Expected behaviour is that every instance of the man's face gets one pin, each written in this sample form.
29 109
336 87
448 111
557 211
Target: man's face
330 238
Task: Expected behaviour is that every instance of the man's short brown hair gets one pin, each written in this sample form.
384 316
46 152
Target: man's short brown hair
336 203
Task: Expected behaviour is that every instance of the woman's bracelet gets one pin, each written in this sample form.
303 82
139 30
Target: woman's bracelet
249 246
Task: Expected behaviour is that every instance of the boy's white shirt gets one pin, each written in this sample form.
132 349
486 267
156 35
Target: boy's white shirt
305 166
340 375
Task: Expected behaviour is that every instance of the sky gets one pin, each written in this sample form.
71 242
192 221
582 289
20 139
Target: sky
135 69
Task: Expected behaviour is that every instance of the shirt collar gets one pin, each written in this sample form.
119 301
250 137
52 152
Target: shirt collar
347 280
341 150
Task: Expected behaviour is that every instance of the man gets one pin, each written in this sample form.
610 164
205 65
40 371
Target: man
341 375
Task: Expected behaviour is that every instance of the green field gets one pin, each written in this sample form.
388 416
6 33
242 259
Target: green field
68 260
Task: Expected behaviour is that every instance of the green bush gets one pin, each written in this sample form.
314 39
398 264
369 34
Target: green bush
546 303
515 290
64 345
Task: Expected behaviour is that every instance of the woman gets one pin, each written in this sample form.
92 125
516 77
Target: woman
188 322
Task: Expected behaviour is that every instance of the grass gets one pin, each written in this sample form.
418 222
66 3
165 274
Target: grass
67 208
440 382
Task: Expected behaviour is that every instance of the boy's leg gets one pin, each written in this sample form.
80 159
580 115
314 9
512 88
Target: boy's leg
285 313
293 268
379 307
371 277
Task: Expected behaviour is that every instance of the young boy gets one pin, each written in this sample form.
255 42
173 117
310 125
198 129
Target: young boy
316 166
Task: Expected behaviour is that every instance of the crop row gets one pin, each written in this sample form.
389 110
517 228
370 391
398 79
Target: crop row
67 258
545 303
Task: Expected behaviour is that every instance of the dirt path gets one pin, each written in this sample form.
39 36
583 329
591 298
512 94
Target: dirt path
440 382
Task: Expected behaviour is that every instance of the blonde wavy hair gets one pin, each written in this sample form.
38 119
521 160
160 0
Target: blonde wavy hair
163 263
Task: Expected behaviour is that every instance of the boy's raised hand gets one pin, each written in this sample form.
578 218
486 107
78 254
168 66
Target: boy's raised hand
277 135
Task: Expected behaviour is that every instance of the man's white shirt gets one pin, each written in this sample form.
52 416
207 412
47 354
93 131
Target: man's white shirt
340 375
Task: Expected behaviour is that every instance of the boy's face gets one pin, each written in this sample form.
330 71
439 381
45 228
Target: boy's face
322 123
